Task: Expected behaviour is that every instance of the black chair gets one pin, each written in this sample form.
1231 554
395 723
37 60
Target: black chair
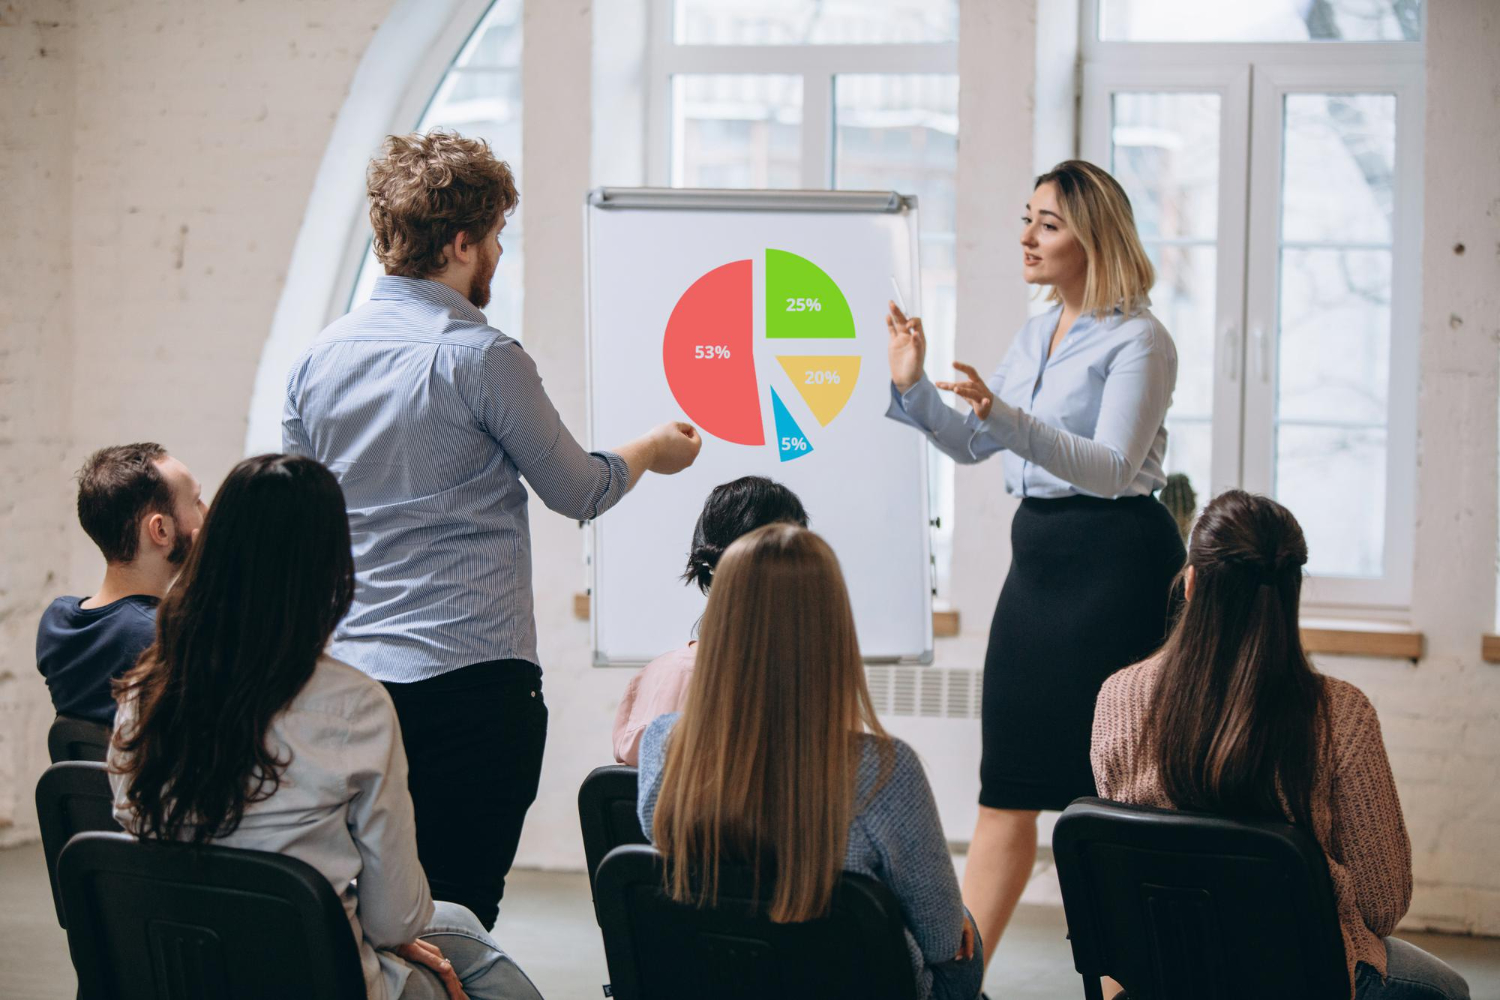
1182 905
150 920
606 812
664 950
72 738
71 797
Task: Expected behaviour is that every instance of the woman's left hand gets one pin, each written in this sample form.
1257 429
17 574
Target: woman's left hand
428 954
965 942
971 388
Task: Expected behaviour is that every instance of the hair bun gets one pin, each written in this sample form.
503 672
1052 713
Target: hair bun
705 557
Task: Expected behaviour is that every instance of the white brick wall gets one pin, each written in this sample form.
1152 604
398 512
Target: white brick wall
156 162
37 59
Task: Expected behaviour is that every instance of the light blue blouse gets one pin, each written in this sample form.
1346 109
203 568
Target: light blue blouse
1087 420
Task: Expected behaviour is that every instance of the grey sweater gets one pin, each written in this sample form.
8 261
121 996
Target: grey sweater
897 839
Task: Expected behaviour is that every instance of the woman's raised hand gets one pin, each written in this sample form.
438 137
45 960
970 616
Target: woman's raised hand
971 388
907 349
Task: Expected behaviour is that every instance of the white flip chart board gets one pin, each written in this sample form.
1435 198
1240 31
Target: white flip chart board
759 316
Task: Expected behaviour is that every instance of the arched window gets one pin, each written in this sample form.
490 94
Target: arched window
407 80
480 96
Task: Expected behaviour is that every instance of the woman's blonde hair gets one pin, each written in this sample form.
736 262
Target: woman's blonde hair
425 189
761 767
1097 210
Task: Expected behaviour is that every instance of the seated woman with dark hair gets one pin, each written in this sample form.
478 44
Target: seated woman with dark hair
778 760
731 510
1231 718
236 729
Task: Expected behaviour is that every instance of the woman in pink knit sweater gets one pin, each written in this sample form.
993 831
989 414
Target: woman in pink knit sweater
731 510
1231 718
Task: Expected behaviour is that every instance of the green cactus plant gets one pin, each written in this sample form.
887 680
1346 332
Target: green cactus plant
1178 497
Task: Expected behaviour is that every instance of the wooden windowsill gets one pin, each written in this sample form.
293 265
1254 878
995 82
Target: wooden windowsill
1361 638
1319 636
944 622
1489 649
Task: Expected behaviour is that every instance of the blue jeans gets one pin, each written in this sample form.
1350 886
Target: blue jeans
1411 974
487 972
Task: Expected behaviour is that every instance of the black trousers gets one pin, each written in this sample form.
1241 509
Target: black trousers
474 739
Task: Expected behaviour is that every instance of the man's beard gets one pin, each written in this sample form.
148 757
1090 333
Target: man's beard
479 288
182 543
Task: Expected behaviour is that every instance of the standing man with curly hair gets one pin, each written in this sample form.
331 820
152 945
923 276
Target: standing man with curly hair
429 417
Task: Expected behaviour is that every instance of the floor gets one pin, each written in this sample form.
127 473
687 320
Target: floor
548 925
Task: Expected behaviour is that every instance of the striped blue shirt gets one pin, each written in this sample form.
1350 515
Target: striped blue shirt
429 417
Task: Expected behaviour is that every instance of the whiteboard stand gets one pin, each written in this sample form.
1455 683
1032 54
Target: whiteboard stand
660 261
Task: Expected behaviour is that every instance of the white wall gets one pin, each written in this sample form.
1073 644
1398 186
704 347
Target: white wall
119 323
156 163
37 60
1441 718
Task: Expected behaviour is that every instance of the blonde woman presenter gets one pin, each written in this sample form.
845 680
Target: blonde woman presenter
1076 410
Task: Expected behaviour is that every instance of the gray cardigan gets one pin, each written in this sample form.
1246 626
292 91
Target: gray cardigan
896 838
342 807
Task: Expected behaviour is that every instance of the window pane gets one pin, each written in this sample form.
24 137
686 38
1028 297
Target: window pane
483 103
497 43
1333 343
1190 452
1261 21
1339 161
1164 151
802 22
1183 300
899 132
1335 336
737 131
1166 156
1333 480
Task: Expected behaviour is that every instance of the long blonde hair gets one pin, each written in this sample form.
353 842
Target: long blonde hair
1097 210
761 767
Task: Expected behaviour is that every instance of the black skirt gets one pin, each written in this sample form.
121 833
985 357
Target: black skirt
1088 592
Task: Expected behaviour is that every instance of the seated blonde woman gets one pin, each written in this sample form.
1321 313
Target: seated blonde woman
778 711
1231 718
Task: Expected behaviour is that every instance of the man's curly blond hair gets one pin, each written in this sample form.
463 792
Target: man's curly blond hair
425 189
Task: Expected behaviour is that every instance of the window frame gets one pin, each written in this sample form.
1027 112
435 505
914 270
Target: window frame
1253 79
818 65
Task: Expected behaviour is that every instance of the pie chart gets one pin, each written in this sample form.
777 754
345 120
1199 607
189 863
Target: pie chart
710 344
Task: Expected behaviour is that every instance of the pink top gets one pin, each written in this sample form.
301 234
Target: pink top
1356 814
657 690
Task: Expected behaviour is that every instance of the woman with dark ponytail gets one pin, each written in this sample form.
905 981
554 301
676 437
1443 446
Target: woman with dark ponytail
1230 717
731 510
236 728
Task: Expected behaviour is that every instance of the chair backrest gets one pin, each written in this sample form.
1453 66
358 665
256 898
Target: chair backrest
150 920
71 738
664 950
71 797
606 813
1183 905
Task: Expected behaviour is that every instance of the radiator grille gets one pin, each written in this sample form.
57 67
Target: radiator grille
927 692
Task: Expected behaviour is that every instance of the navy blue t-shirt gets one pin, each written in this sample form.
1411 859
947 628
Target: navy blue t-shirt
80 650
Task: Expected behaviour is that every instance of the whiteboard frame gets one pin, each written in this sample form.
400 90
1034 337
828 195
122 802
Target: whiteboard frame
732 200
